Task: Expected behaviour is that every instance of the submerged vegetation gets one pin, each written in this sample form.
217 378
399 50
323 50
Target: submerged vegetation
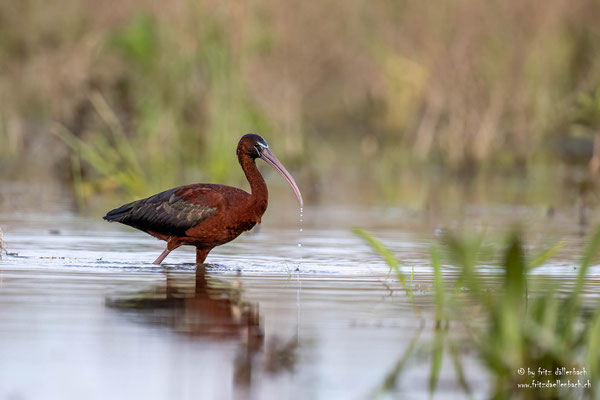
516 325
138 96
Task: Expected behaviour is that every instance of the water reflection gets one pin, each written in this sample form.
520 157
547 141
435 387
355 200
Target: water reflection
207 308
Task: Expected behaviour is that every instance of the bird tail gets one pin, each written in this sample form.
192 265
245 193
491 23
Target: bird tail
118 214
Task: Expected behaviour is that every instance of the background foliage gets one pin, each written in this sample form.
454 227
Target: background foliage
137 96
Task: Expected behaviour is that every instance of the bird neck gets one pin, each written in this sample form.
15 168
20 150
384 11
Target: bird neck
259 193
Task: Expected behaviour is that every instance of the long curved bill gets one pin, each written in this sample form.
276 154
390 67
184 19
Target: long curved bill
274 162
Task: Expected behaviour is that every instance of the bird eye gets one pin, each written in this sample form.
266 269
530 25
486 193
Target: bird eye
257 148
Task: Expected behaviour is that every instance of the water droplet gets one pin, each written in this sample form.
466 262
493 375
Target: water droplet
300 237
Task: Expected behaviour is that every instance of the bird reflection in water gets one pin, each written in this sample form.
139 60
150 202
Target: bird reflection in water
212 309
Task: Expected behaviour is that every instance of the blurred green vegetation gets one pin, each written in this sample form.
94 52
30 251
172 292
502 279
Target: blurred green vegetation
137 96
512 322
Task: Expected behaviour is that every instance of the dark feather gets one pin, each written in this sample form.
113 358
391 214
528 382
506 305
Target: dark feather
166 213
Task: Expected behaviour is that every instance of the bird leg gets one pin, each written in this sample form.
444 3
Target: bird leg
162 256
201 255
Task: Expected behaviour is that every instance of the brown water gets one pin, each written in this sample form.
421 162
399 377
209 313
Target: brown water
84 315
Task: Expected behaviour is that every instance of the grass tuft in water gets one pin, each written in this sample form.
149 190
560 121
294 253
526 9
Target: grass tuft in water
389 258
511 322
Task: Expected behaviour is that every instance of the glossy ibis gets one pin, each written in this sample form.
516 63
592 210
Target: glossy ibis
206 215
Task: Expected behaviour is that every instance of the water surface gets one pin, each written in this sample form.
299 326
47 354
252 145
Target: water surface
83 313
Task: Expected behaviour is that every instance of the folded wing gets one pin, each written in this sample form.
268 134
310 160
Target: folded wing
171 212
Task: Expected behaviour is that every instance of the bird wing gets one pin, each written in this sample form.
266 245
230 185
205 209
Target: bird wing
171 212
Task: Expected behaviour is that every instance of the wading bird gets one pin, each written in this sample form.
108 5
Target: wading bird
206 215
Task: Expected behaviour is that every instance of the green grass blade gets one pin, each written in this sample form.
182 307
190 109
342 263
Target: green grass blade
438 284
593 346
384 252
514 271
591 250
464 254
544 256
436 357
458 368
391 378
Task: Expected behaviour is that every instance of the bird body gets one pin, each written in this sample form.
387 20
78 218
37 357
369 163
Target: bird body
206 215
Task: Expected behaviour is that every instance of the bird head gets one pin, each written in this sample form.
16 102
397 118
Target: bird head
254 146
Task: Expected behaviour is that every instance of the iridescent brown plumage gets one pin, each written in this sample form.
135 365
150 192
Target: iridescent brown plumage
206 215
